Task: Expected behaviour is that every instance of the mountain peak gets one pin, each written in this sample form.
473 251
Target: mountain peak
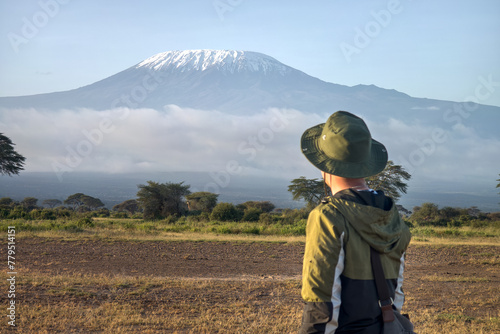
202 60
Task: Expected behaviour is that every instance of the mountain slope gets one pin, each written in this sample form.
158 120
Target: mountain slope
243 82
230 81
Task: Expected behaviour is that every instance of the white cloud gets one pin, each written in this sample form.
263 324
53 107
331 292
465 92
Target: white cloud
267 142
455 153
175 139
426 108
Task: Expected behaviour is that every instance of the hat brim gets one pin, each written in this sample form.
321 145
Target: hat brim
375 163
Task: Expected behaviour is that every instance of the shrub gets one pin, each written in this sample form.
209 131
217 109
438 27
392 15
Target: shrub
290 216
264 206
200 217
103 213
85 222
44 214
121 214
251 215
225 212
63 212
251 230
266 218
299 227
4 212
18 212
493 215
172 219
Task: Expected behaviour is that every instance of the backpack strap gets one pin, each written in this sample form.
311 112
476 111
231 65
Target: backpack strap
385 300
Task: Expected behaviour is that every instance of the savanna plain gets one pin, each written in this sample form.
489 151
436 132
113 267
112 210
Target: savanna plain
110 275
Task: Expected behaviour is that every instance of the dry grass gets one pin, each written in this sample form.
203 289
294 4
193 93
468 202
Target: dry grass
438 278
160 236
430 321
104 304
437 302
121 304
123 234
456 241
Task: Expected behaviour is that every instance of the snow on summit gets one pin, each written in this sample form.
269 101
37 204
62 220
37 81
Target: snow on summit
227 60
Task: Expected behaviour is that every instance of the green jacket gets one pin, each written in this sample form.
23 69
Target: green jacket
337 283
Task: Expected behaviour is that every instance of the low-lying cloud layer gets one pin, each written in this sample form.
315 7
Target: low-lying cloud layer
264 143
145 140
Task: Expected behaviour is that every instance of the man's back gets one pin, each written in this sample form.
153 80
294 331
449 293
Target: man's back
337 273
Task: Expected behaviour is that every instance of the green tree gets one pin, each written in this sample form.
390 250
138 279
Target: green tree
251 214
29 203
425 214
129 205
263 206
11 162
390 180
82 202
75 200
202 201
498 185
91 203
225 212
6 201
447 213
52 203
160 200
309 190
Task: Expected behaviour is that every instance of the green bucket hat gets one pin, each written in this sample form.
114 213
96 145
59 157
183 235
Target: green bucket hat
343 146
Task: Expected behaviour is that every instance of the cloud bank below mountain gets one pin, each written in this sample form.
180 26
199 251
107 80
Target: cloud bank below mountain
265 143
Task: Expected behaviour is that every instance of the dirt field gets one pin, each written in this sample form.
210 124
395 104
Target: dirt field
445 284
163 259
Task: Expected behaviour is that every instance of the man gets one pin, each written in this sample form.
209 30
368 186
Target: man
338 287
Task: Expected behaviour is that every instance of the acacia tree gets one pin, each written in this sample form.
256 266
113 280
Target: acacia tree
263 206
29 203
11 162
80 200
202 200
390 180
6 201
52 203
160 200
75 200
129 205
309 190
91 203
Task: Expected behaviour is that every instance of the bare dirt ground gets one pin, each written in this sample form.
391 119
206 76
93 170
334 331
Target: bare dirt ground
458 282
164 259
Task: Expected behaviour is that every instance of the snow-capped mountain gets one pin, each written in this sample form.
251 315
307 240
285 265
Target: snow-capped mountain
424 134
239 82
231 81
222 60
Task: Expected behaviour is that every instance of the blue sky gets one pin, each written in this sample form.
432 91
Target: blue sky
433 49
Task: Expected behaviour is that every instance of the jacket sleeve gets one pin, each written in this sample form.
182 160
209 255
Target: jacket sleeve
323 264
